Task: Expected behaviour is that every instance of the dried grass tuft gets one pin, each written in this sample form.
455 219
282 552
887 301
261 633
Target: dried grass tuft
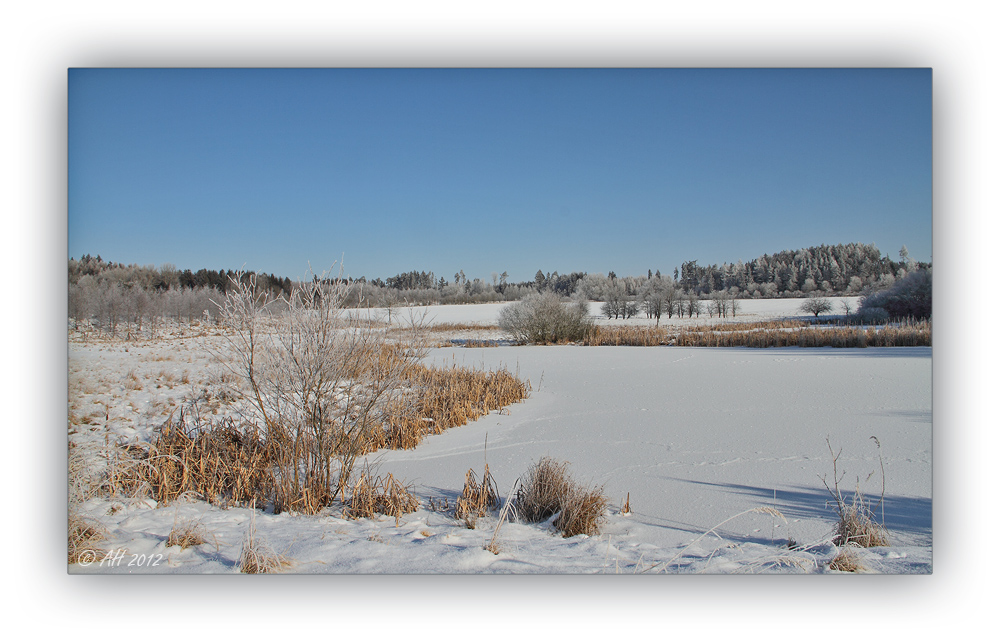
857 524
548 490
131 381
257 556
847 561
545 486
582 512
82 536
187 534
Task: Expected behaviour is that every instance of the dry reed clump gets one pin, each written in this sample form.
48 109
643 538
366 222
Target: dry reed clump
548 490
629 336
847 560
443 398
626 335
902 335
221 460
494 545
82 536
377 495
238 463
477 498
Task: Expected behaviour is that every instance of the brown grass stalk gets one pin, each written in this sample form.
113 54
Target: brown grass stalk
477 498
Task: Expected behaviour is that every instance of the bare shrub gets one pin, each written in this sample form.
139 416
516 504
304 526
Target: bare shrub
477 498
544 318
319 382
910 297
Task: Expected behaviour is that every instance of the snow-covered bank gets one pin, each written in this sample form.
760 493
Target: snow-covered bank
694 436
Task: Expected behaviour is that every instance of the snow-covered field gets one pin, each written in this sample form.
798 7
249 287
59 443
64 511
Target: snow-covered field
486 313
693 436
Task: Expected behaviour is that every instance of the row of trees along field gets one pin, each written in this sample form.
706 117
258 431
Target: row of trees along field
113 293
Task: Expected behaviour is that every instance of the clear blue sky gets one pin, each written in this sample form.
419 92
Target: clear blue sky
491 170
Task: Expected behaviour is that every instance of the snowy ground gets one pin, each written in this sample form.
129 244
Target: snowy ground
486 313
694 436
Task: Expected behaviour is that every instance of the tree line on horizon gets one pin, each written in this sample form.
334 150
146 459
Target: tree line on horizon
107 290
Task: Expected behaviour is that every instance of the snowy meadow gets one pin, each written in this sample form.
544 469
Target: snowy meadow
712 460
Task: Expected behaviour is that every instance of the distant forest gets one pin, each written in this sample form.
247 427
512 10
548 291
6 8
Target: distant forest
111 292
832 269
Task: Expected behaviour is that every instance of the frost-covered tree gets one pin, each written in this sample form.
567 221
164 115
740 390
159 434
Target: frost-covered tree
545 318
908 297
816 306
656 295
615 300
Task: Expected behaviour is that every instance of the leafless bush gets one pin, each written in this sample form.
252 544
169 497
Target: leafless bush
320 384
544 318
